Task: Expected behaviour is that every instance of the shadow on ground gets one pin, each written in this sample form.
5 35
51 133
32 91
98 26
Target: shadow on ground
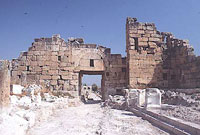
92 102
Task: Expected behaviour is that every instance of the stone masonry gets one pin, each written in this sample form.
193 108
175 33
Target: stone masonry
158 59
60 65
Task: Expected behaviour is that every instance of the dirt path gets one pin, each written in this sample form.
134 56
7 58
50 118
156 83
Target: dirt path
91 119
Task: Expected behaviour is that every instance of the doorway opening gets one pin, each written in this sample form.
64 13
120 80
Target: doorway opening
91 86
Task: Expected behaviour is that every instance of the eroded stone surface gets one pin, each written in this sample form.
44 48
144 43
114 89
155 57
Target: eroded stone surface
4 83
158 59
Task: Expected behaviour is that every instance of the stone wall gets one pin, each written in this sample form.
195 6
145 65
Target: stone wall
4 83
154 59
60 65
158 59
47 62
116 74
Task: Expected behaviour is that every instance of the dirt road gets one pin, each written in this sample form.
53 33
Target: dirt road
91 119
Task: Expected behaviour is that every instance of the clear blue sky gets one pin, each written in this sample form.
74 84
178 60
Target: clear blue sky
97 21
91 79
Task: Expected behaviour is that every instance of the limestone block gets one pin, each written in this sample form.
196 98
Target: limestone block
143 44
152 44
153 97
65 73
54 53
22 68
143 39
131 96
141 97
141 32
66 85
132 47
45 77
54 82
154 39
150 28
55 48
66 77
37 69
133 31
16 89
61 53
156 36
30 78
54 58
47 63
134 35
33 63
150 32
54 66
55 77
53 72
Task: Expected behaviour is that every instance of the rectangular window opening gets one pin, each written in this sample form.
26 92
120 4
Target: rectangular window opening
136 43
91 63
27 68
59 58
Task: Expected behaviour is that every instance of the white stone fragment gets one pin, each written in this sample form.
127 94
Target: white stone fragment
153 98
25 101
14 100
17 89
141 97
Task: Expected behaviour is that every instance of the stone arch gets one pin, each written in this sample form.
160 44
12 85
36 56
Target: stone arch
96 55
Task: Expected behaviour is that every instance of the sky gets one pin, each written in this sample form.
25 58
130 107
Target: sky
92 79
97 21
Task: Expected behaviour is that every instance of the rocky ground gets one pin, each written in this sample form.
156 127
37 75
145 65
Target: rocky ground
92 119
186 104
184 113
29 107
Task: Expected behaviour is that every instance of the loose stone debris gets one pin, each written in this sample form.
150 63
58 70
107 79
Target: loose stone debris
185 105
29 108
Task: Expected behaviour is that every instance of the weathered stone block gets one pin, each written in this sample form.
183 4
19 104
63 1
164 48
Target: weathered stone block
4 84
45 77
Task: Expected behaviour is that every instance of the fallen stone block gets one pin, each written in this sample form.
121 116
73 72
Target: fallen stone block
16 89
153 98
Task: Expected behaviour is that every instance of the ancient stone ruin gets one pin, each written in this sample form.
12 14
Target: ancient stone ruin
4 83
154 59
158 59
60 65
157 66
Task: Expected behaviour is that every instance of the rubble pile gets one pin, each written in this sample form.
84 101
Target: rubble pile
184 113
185 104
29 107
117 102
179 98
